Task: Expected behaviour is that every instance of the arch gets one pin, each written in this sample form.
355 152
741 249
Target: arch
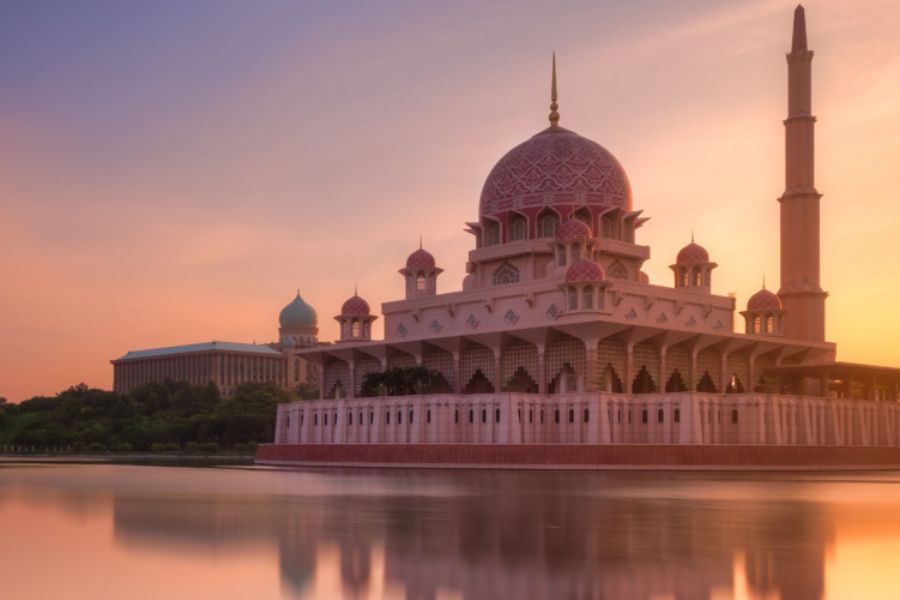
337 390
491 232
676 383
564 350
506 274
478 384
572 296
685 277
474 358
608 226
734 385
547 223
583 214
421 281
521 381
565 381
698 276
438 359
587 297
706 384
355 328
643 383
756 325
609 380
561 256
618 271
518 227
770 323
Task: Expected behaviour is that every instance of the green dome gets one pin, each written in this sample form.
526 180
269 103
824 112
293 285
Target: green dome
298 314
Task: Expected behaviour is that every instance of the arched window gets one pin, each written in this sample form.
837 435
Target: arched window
548 222
561 256
491 233
506 274
608 226
698 276
354 328
420 281
587 297
618 271
685 278
573 298
770 324
756 325
518 229
576 252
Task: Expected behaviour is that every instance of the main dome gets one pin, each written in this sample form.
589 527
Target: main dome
555 167
298 314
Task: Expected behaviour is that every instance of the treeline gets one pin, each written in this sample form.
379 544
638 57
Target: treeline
167 416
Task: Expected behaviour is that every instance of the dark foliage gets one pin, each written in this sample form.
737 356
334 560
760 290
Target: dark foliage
404 381
165 416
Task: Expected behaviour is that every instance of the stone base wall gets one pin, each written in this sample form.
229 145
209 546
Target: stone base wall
581 456
687 418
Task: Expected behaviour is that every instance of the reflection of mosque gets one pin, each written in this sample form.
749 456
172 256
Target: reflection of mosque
544 536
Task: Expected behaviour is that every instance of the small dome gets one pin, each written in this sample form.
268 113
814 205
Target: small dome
420 259
355 307
692 254
584 270
573 230
763 301
298 314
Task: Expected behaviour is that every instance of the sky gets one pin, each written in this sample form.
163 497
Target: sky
172 172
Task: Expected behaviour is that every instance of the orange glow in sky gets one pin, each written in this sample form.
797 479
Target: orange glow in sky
170 178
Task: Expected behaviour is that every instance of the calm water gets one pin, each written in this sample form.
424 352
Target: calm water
107 531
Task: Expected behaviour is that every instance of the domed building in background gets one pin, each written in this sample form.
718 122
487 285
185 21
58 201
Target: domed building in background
230 364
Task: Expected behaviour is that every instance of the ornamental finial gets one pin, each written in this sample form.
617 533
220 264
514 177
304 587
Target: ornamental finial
554 107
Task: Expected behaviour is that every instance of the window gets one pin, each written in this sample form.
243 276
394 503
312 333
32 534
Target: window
677 418
556 416
542 415
685 278
456 416
660 416
770 324
644 416
519 412
618 271
561 256
371 418
471 416
756 325
420 281
547 225
354 328
571 415
587 416
587 297
497 415
484 415
518 229
387 417
399 417
734 416
573 298
428 416
491 233
506 274
576 252
326 418
360 421
316 420
698 277
410 417
349 418
531 415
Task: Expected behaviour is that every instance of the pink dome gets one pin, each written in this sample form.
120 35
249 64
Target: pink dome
763 301
420 259
555 167
355 307
584 270
692 254
573 230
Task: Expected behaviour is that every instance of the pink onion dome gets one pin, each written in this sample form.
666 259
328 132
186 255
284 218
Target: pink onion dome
692 254
764 301
573 230
585 270
552 168
355 307
420 259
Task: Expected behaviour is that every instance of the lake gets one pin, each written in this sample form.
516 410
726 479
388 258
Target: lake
116 531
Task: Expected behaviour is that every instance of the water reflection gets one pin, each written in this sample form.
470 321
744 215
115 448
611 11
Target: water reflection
430 535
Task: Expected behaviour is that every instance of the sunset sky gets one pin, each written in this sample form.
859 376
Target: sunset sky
171 172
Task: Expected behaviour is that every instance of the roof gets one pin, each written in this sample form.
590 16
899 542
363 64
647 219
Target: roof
214 346
841 370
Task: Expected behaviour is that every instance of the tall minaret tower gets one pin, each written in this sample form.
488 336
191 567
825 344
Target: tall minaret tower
801 295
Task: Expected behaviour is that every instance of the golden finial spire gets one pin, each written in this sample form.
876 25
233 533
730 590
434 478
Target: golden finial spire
764 281
554 107
420 241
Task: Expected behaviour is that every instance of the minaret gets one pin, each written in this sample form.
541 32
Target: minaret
800 293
